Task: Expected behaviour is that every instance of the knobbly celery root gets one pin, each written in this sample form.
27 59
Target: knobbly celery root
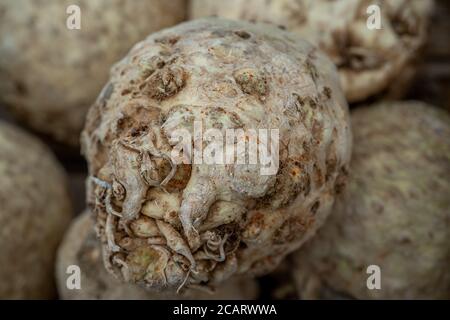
81 247
34 211
167 226
370 62
395 212
50 75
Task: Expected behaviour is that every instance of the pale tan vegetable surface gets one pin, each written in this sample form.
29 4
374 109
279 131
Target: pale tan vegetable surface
81 248
395 212
370 62
34 212
49 74
172 226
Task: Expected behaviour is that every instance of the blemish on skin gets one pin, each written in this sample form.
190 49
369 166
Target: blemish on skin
169 40
243 34
125 92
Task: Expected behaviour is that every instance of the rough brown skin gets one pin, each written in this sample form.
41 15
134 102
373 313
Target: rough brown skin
34 212
50 75
82 248
395 212
370 62
197 226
